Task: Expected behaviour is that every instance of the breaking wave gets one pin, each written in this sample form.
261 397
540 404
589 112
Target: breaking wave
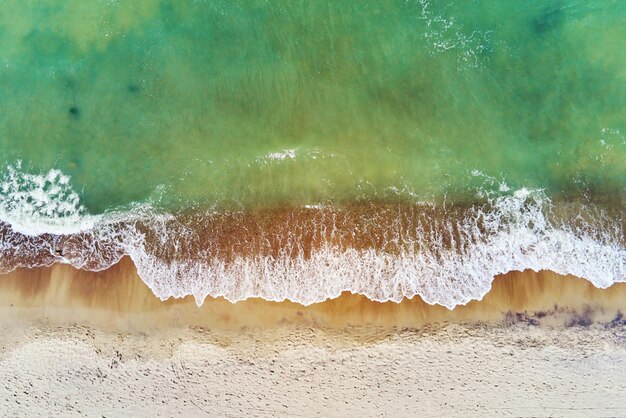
41 203
446 254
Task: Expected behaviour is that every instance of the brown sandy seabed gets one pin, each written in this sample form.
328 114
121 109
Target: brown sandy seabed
393 228
78 343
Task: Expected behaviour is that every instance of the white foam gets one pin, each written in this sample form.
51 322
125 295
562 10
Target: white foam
292 154
282 155
515 233
445 33
518 237
35 204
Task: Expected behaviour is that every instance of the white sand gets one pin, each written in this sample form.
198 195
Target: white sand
448 370
75 343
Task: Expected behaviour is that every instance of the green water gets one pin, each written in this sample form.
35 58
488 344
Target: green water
187 103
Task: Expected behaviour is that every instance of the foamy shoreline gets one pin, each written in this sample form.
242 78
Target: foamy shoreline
117 297
446 255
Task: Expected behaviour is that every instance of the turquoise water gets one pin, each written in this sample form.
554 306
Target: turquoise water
298 149
271 103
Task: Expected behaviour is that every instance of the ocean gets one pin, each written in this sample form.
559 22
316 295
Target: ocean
296 150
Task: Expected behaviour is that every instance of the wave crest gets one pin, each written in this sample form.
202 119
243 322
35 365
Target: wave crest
35 204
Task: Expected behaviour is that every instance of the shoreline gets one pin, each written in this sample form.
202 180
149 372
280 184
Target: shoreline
116 299
445 255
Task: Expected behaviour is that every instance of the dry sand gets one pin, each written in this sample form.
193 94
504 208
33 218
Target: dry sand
435 371
100 344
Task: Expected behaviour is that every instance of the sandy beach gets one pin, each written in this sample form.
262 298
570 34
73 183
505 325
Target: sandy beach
452 370
100 344
393 208
116 299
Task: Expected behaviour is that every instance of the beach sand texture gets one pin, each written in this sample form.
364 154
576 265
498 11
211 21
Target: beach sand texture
100 344
116 299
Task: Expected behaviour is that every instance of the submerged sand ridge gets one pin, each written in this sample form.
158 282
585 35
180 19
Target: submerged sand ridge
118 299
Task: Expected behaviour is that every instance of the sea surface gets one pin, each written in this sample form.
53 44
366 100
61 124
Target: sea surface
299 149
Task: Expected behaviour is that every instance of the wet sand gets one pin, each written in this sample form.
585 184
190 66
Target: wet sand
75 343
117 300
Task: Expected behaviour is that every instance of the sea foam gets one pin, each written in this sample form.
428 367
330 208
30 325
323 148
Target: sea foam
35 204
447 259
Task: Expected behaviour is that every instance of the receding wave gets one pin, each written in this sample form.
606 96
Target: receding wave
446 254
